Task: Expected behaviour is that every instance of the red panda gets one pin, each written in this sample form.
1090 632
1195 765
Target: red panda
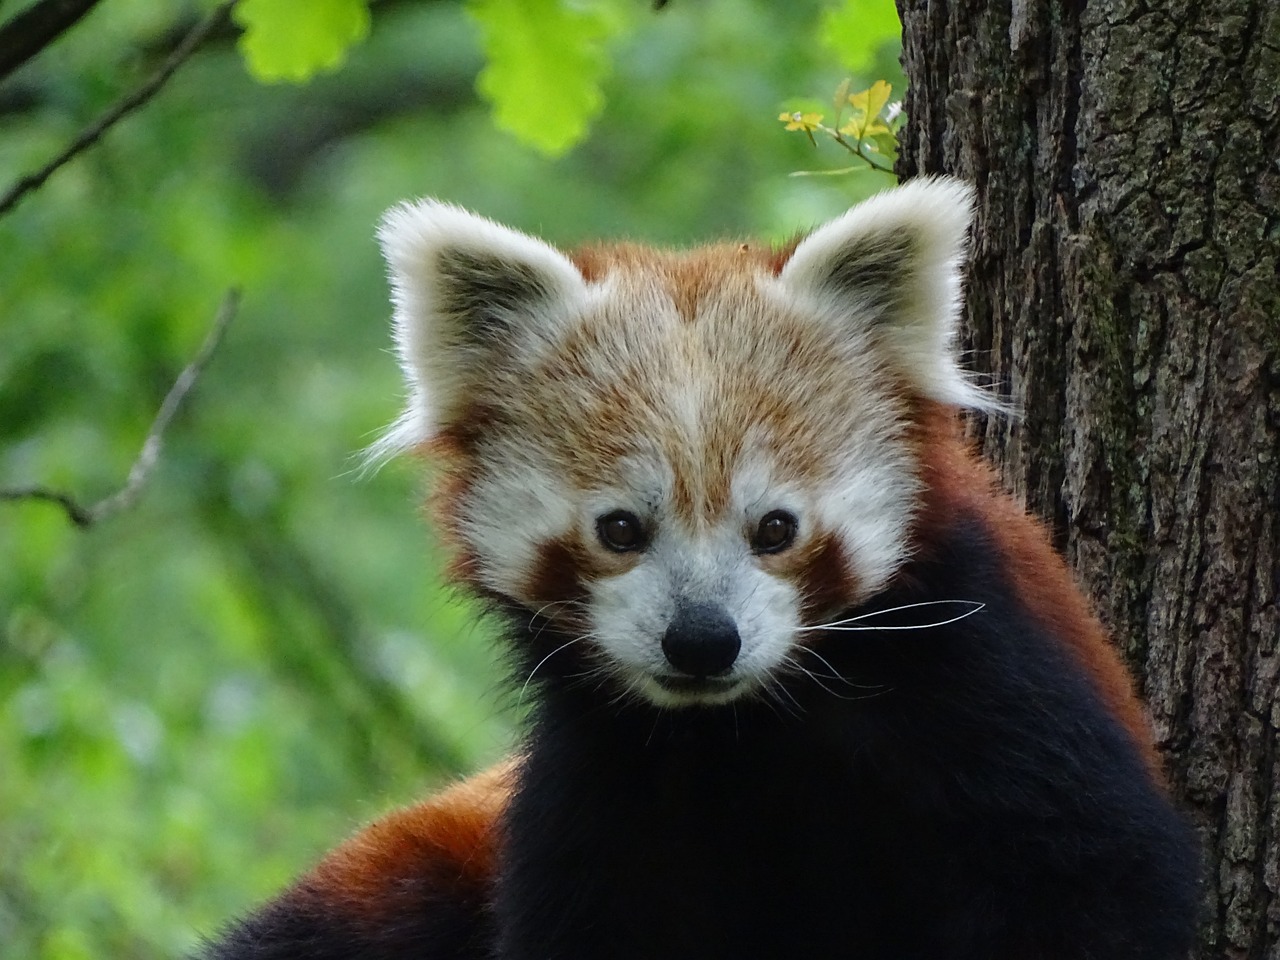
807 685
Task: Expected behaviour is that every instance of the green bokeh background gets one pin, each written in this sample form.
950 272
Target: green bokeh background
201 695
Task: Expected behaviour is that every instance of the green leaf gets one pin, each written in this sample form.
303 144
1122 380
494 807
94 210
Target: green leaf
293 39
841 99
545 64
857 29
885 144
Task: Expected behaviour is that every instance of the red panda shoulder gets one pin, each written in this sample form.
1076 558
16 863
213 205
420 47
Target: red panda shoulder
957 482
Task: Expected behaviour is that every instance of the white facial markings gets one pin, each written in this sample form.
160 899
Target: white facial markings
754 486
514 507
631 612
711 563
870 499
644 485
858 484
870 487
871 512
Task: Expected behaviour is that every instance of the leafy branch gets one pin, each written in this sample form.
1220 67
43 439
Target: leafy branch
870 133
86 516
122 108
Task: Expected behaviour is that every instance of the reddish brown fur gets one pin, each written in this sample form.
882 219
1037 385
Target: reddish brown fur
705 265
556 574
823 577
451 838
751 384
958 482
781 254
625 376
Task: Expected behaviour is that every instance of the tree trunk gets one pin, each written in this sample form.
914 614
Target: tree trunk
1124 291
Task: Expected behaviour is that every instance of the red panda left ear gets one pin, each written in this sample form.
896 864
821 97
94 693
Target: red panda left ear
890 269
469 296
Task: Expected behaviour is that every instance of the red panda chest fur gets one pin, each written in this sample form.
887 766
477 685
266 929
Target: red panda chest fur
805 683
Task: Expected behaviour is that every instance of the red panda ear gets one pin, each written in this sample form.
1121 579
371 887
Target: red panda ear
890 268
466 291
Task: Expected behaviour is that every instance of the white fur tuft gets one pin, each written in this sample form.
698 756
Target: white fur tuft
928 218
433 353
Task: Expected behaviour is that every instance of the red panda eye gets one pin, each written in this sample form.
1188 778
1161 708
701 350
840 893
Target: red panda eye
620 531
776 532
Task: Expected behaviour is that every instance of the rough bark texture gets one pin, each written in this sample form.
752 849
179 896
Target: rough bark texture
1125 293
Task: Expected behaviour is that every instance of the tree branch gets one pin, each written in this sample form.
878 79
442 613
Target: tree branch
77 514
126 105
124 498
35 28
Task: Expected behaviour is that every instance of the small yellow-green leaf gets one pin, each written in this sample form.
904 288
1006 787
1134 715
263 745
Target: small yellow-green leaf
545 64
801 121
864 120
862 128
872 100
885 144
857 29
293 39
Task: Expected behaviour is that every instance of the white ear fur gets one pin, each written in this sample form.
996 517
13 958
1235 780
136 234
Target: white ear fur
892 266
463 287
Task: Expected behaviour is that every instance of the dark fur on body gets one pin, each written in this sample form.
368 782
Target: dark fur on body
962 792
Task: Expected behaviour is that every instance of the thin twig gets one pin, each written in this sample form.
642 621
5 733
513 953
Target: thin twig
124 498
856 149
35 28
126 105
77 514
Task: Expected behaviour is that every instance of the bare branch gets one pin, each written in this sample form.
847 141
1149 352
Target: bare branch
35 28
126 105
77 514
124 498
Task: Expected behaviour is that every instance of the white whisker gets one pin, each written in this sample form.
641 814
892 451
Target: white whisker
529 679
554 603
774 687
974 607
879 690
835 674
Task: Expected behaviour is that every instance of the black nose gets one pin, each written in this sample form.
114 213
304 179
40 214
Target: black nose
702 640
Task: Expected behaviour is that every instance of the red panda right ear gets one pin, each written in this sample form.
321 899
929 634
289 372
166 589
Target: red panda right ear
467 293
889 271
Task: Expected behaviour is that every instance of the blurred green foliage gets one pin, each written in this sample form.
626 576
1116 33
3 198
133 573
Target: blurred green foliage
202 694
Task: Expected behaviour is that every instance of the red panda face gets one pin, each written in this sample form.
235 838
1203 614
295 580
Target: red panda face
681 460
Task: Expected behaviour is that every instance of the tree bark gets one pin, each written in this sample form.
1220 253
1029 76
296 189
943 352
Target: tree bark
1125 292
